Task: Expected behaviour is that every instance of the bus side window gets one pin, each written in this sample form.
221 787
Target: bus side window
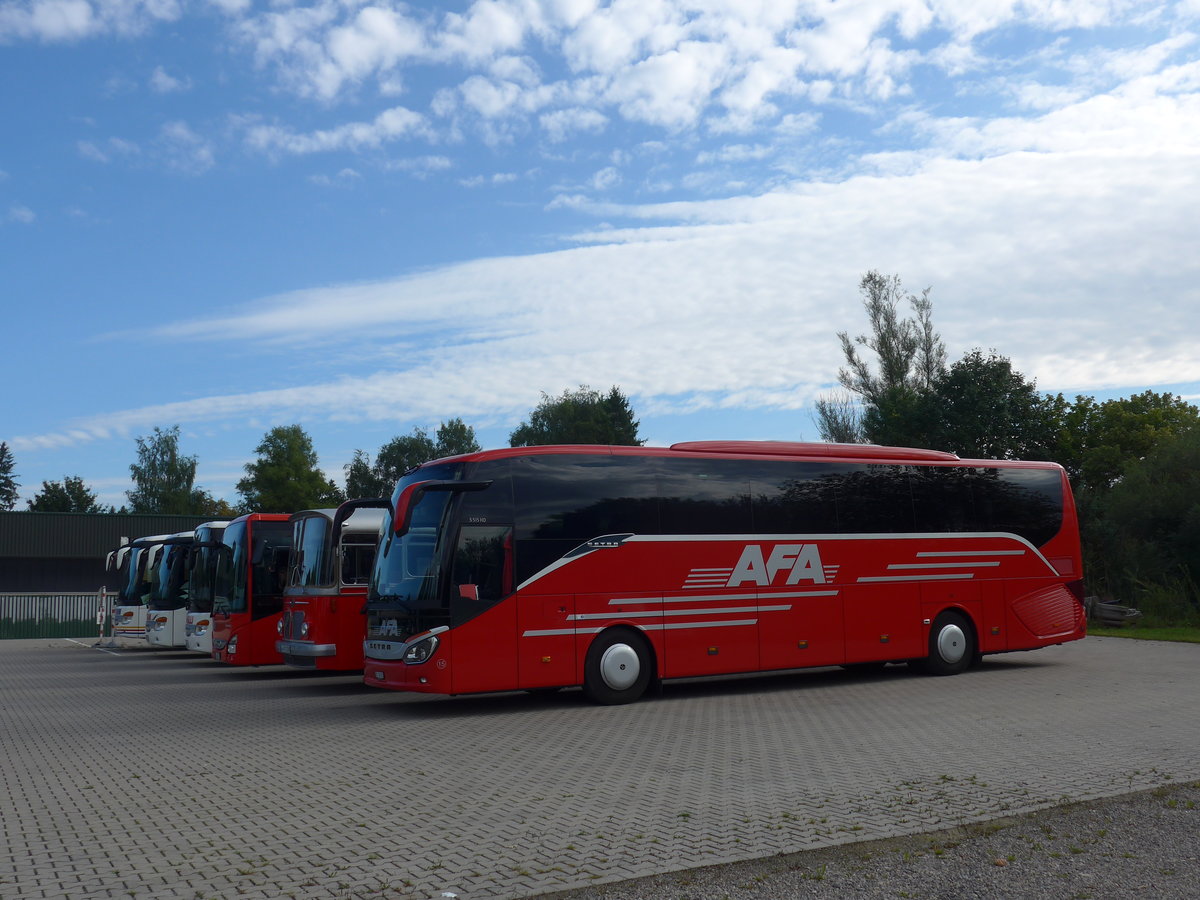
483 563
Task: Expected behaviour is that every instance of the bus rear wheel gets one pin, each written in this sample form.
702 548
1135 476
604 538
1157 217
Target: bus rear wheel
951 645
618 668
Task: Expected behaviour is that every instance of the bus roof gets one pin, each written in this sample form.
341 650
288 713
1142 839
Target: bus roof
784 449
360 520
797 450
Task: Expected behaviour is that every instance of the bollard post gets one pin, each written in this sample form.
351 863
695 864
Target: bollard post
106 612
100 610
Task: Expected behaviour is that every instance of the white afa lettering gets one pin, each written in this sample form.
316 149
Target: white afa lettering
802 562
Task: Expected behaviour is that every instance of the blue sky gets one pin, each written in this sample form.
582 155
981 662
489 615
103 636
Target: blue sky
365 217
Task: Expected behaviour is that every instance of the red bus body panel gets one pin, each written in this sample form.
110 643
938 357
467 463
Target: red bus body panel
699 602
336 629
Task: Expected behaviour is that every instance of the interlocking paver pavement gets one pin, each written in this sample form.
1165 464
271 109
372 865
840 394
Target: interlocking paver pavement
148 773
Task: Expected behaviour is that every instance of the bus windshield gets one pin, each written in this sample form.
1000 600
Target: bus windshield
312 567
229 579
137 586
405 577
203 563
170 586
250 574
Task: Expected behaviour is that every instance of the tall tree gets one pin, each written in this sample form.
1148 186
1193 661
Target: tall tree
360 479
8 480
1099 440
983 408
583 416
456 437
68 495
403 452
840 419
909 355
400 454
1142 536
285 477
165 481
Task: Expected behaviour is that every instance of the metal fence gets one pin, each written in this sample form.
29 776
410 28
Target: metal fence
54 615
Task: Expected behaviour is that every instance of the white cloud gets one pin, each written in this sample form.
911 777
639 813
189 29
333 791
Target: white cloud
1075 260
184 151
489 98
319 53
564 123
163 83
671 89
419 165
22 215
107 150
735 153
488 28
496 179
343 178
390 125
54 21
606 178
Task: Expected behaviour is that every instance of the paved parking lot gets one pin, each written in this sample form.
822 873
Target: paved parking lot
162 774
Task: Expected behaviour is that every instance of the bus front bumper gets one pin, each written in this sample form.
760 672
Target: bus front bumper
305 648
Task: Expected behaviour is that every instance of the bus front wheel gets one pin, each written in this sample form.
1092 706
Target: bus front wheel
618 667
951 645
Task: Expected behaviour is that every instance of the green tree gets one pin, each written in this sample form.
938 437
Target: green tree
1142 535
582 416
909 355
164 481
455 438
8 481
286 477
360 479
404 452
1099 440
401 453
68 495
983 408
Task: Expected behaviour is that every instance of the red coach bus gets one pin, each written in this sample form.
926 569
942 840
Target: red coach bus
611 567
251 568
323 625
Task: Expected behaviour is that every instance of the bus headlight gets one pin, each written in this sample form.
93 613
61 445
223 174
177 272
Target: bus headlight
233 645
279 627
303 629
421 650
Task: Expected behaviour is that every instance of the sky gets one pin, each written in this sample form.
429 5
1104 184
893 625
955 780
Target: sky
365 217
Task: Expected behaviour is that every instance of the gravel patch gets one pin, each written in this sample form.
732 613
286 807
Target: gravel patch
1145 844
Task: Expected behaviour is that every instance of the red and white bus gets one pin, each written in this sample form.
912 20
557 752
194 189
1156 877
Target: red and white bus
248 587
323 623
612 567
197 627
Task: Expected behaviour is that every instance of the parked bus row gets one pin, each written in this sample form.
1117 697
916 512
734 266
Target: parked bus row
613 568
266 588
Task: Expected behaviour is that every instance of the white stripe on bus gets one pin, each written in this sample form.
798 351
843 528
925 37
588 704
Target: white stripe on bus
695 598
650 614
